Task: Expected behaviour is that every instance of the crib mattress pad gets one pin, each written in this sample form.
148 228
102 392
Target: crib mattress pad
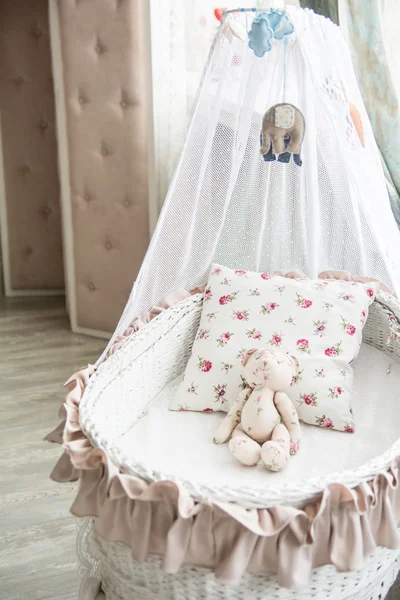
178 445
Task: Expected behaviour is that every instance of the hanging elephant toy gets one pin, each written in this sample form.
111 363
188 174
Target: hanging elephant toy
282 133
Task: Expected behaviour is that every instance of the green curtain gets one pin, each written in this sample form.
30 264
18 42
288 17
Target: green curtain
361 22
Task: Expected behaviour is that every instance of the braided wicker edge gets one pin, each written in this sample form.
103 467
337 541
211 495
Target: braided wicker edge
138 345
384 317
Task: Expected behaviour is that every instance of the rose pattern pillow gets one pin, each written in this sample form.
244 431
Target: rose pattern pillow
319 322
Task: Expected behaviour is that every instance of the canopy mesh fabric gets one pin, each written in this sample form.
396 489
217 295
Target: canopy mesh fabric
227 205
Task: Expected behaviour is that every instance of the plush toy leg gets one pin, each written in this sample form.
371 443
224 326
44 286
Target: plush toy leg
285 157
278 144
290 419
294 146
275 453
265 143
244 449
297 159
270 156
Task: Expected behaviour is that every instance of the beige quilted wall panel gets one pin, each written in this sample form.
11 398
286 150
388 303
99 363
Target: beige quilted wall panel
32 221
103 68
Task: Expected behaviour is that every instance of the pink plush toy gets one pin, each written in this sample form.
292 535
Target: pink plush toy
263 421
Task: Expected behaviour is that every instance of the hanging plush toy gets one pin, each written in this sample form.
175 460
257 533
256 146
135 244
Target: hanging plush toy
283 130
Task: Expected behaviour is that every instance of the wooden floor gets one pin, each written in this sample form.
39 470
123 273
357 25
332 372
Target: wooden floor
38 353
37 536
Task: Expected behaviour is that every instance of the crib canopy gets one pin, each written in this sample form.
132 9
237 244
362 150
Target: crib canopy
229 203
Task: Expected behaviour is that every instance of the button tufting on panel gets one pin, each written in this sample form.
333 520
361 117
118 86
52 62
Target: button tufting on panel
43 125
28 251
87 197
91 286
46 211
36 32
82 100
108 245
99 48
24 169
127 100
18 81
104 151
127 202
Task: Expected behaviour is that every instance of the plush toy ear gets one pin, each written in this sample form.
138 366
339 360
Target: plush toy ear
246 357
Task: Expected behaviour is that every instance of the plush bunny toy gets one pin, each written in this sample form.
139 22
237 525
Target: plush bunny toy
263 421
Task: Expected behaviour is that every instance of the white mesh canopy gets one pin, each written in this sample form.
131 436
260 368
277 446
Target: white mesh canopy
227 205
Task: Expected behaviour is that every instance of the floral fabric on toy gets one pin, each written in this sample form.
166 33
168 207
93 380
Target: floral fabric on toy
319 322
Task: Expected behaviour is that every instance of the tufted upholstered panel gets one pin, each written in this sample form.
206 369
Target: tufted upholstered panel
30 207
104 86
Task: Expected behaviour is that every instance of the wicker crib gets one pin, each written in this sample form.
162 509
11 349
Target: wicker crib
359 505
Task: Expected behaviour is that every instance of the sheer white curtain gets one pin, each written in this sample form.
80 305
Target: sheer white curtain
372 32
391 20
181 35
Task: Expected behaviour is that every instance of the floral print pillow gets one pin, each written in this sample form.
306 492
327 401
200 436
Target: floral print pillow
319 322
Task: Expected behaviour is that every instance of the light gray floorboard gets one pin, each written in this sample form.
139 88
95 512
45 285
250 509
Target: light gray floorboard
38 353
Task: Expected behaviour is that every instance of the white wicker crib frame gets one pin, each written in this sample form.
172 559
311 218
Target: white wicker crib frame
132 377
110 566
123 578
